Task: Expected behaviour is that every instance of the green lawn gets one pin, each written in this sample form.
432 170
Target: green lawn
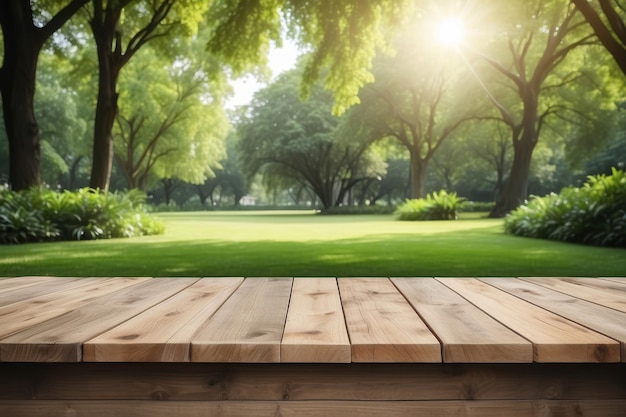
304 244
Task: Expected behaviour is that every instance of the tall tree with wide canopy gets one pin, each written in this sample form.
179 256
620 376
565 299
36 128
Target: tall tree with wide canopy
530 39
343 35
120 28
421 97
26 26
284 137
171 123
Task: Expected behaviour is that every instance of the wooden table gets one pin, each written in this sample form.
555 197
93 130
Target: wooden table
312 347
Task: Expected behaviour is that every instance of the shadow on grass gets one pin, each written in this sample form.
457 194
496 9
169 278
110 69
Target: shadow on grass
459 253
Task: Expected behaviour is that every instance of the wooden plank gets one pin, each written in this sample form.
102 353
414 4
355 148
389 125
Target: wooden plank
467 333
20 316
599 291
620 280
7 284
60 339
608 293
513 408
315 330
248 327
599 318
382 326
615 285
49 286
300 382
164 332
554 338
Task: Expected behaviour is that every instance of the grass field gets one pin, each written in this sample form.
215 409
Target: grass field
304 244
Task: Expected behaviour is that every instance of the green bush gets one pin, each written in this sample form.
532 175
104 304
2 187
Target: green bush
436 206
594 214
38 215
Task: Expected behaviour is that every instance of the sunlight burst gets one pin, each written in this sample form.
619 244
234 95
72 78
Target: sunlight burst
451 31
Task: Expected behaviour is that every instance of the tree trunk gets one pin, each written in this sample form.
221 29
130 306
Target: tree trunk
74 172
106 108
515 190
418 175
23 40
202 195
168 188
17 85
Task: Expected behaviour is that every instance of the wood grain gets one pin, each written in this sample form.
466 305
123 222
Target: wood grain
25 314
554 338
20 282
61 338
382 326
598 291
315 330
299 382
599 318
164 332
49 286
513 408
466 332
615 279
248 327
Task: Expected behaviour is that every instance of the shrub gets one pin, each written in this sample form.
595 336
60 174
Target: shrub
39 215
594 214
436 206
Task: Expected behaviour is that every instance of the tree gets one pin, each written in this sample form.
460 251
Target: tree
170 124
489 145
342 35
537 36
419 98
120 28
281 136
393 186
606 17
26 26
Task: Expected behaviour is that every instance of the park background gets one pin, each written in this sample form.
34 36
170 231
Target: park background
476 105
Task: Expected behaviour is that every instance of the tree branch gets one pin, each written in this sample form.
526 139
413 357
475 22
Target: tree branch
59 19
615 48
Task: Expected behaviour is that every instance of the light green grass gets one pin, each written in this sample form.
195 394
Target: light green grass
304 244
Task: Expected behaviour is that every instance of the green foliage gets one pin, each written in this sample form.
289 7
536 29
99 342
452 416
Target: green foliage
343 36
22 221
436 206
594 214
290 142
422 98
39 215
164 112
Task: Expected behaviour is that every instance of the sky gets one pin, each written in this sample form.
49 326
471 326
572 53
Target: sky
280 60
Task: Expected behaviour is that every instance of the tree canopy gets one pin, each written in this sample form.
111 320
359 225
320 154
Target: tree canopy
145 81
342 35
421 97
284 137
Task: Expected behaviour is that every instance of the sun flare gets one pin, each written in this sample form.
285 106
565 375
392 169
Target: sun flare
451 31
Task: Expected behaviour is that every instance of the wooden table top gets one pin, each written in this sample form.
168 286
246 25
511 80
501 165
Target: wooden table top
313 320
